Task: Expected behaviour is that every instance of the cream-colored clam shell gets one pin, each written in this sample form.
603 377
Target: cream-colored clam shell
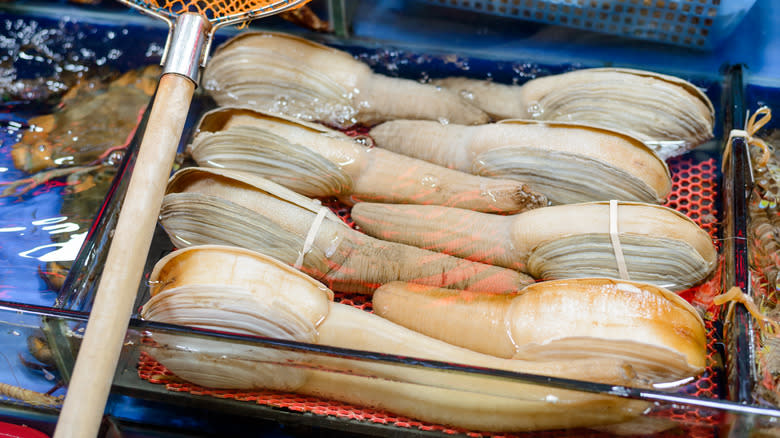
668 113
568 162
220 206
230 289
320 162
650 327
286 74
659 245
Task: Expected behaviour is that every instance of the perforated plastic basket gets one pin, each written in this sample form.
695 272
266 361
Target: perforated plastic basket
694 23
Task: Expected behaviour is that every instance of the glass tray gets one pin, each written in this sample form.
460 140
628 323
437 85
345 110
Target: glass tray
689 409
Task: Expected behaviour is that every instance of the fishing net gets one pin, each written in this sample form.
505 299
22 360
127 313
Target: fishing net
217 11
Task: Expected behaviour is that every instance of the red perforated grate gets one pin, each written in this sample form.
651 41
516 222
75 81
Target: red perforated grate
694 194
694 191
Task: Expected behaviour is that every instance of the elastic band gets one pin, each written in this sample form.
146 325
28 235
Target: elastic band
614 237
309 241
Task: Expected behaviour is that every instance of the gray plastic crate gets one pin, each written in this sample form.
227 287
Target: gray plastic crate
693 23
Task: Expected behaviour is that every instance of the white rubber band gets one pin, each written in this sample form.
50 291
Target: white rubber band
310 236
614 237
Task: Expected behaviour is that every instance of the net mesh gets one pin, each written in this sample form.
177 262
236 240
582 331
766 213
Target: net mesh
219 10
693 193
694 23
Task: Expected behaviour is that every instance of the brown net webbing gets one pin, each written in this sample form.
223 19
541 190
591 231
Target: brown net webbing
219 10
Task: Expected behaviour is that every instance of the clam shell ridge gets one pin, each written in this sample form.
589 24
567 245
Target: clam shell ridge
233 290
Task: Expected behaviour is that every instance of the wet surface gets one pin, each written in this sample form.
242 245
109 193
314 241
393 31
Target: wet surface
49 67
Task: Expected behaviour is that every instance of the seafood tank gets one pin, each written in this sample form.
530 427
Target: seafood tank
301 340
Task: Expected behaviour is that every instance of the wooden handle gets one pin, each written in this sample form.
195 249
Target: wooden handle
97 359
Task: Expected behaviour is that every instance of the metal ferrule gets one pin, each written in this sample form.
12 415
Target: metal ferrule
184 54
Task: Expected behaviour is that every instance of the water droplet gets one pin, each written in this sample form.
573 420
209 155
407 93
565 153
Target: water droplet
212 85
466 94
364 140
333 246
282 101
65 161
345 160
444 121
430 181
115 158
620 390
15 333
154 49
535 109
488 194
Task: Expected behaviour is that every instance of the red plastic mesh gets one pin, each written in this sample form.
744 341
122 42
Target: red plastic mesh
693 193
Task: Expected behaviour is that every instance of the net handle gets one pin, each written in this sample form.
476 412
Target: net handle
105 333
98 356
